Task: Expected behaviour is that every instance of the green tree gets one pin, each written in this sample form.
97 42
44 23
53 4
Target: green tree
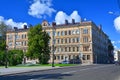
38 47
110 51
3 29
15 57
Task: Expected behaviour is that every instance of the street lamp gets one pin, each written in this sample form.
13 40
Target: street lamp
80 54
53 43
6 59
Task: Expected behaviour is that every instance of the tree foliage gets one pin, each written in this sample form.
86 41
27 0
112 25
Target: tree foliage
15 57
110 46
3 29
38 47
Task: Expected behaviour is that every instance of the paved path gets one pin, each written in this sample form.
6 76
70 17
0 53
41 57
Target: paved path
13 70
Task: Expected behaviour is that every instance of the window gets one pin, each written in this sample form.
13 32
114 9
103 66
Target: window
58 40
69 40
73 32
69 57
69 32
17 36
65 32
84 57
25 36
18 43
61 49
61 57
62 33
69 49
73 40
78 40
54 57
88 57
85 31
58 33
54 33
66 40
65 49
77 31
10 44
85 48
85 39
61 41
77 48
22 36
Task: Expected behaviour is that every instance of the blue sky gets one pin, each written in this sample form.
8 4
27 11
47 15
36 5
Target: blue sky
104 12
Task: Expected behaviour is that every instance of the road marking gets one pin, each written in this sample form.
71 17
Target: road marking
85 69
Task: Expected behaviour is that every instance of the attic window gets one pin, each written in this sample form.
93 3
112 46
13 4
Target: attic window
44 24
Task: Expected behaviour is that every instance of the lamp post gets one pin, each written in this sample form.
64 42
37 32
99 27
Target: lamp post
80 54
53 43
6 59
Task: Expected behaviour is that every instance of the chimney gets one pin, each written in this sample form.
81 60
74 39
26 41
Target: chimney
15 28
66 22
100 27
25 26
73 21
53 23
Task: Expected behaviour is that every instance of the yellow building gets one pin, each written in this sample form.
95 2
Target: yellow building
71 40
83 40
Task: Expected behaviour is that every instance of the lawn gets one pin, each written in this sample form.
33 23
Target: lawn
42 65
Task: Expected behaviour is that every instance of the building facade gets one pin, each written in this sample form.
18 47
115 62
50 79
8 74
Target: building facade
83 40
116 55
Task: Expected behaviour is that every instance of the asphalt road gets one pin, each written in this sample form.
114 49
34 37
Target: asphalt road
90 72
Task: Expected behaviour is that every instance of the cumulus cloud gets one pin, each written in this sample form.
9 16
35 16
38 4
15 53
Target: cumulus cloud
12 23
117 23
41 8
116 44
62 16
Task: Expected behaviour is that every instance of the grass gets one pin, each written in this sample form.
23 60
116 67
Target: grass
60 65
42 65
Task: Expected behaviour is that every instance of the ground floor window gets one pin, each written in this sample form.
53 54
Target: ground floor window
88 57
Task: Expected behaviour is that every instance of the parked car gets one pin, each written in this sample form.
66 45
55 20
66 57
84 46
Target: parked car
75 61
117 62
65 62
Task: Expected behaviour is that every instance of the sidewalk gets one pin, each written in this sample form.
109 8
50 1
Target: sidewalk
15 70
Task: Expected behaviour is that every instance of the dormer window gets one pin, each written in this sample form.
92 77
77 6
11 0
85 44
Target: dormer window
45 23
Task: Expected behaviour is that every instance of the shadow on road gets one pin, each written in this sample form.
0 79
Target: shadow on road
54 76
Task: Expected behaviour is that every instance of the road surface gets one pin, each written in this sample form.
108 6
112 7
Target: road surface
89 72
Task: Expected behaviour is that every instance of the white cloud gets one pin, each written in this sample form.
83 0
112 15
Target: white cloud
62 16
113 42
117 23
41 8
12 23
116 44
